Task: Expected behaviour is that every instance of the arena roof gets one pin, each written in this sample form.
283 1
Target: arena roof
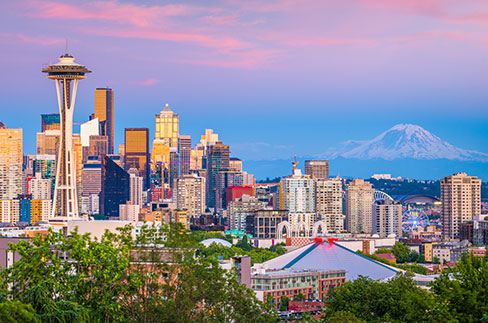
332 256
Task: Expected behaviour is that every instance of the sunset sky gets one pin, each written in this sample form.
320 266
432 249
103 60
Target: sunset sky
273 78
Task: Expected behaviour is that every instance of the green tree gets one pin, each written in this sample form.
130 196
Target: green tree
382 250
401 252
284 303
436 261
156 277
17 312
300 296
341 317
398 300
464 288
244 244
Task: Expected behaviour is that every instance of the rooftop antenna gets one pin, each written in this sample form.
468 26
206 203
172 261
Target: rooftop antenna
66 46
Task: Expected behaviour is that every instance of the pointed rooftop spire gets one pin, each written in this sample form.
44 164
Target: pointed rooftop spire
166 108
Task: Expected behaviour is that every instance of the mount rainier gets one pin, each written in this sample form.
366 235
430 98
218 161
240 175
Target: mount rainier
404 141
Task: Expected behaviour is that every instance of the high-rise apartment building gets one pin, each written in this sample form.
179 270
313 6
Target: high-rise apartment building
91 177
45 166
98 146
217 160
297 192
50 122
184 151
359 206
48 142
387 218
167 127
104 112
235 164
190 194
135 187
317 169
225 178
10 162
40 188
115 188
137 152
461 201
240 209
328 202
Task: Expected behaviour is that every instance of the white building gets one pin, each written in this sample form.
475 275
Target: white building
87 129
387 218
190 194
240 208
328 203
297 192
90 204
40 188
136 188
359 206
129 212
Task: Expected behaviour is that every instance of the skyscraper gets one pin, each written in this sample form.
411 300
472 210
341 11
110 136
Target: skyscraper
461 201
328 202
387 218
359 206
135 187
115 188
190 194
50 122
104 111
40 188
64 73
317 169
225 178
297 192
167 127
217 160
184 150
137 152
10 162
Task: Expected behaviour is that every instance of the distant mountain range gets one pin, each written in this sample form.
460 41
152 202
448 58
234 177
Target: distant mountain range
405 141
404 150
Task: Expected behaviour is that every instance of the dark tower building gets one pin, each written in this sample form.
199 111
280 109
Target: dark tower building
184 150
137 152
115 188
217 160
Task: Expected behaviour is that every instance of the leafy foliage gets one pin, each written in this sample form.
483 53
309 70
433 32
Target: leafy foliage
398 300
401 252
464 288
17 312
154 277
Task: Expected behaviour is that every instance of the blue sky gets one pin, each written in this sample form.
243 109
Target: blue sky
288 77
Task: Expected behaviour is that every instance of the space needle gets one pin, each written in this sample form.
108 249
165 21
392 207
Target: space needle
66 73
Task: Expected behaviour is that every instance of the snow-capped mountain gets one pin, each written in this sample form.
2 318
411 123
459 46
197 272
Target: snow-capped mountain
405 141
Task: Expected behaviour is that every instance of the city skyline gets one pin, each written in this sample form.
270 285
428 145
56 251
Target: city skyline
296 100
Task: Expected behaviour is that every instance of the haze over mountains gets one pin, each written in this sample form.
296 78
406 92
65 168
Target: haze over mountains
404 150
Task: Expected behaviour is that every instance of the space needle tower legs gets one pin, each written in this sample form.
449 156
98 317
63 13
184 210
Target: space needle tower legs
66 73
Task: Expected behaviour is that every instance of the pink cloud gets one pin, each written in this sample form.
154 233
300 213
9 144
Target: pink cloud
149 81
225 43
137 15
326 41
248 60
37 40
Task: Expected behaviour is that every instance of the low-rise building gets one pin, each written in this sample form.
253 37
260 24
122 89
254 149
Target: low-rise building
311 283
263 224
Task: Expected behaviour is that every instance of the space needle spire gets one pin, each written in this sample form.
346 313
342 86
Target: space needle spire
66 73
